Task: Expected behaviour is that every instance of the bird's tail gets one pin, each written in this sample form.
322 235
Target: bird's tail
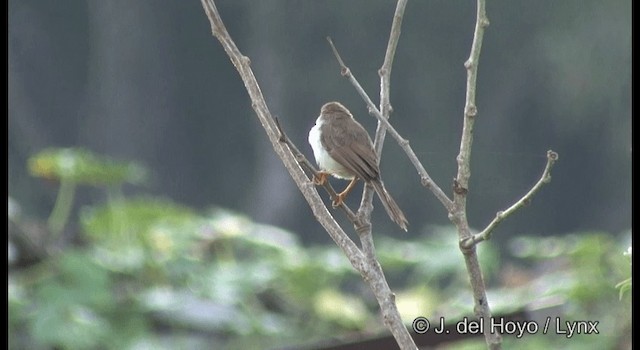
392 208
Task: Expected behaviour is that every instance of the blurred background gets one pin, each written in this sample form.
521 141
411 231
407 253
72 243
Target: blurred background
143 86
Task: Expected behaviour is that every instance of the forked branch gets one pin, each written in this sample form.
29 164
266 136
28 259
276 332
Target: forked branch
306 187
425 179
503 214
368 268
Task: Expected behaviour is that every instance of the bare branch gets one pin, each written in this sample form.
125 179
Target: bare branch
385 73
425 179
460 185
308 190
526 199
385 90
369 269
470 109
385 95
387 302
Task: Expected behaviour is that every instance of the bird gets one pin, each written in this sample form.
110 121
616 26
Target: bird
343 148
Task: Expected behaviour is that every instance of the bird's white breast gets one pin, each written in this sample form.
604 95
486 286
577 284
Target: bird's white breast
324 160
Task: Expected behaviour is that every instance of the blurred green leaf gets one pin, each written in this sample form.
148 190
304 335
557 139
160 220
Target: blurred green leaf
84 167
625 285
149 261
130 233
70 304
346 310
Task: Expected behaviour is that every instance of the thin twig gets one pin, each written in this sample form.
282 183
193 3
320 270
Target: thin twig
458 215
425 179
369 270
385 91
391 315
308 190
385 73
526 199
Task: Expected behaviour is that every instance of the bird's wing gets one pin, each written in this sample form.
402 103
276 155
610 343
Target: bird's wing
353 150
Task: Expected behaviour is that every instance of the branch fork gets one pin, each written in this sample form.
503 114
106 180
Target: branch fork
363 258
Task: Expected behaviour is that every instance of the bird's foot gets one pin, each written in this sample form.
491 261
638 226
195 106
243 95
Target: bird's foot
342 195
339 200
320 178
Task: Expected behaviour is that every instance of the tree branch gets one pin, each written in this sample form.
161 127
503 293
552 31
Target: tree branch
425 179
365 260
526 199
391 319
385 91
385 73
320 211
369 269
460 184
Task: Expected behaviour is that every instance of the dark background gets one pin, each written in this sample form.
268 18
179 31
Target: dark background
144 80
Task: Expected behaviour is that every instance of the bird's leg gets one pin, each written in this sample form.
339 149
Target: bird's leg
320 178
342 195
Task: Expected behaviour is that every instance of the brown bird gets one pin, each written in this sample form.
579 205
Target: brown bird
343 148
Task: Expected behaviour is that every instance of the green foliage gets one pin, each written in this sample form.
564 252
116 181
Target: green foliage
151 273
83 167
136 233
149 261
575 283
625 286
588 286
71 303
74 166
